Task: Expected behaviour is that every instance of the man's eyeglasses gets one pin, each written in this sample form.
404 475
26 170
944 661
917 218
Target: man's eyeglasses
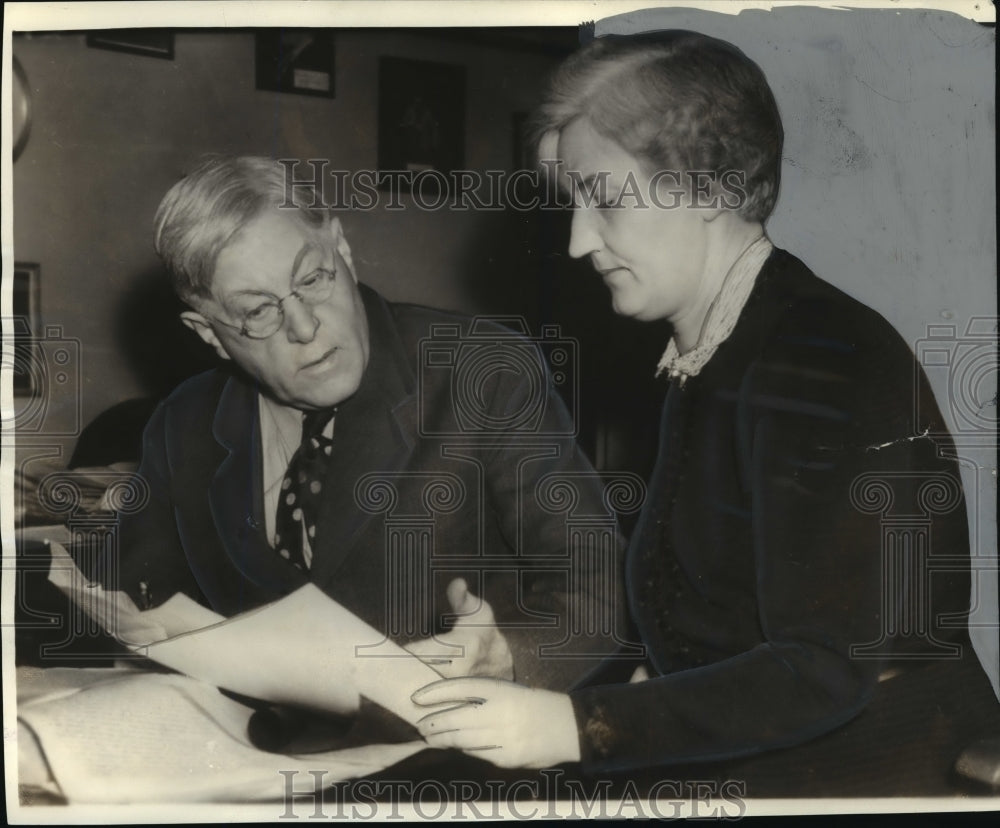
266 319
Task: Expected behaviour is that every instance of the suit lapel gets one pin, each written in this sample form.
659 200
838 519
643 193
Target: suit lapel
375 432
236 495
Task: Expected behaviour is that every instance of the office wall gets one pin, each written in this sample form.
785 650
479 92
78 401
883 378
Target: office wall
113 131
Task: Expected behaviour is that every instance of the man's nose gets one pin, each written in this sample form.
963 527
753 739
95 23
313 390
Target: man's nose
583 236
301 322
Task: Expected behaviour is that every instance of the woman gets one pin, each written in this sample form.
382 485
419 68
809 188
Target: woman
755 574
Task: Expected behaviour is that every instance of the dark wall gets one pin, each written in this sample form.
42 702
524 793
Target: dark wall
113 131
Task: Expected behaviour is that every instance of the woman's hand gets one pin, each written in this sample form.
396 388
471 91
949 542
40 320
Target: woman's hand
511 725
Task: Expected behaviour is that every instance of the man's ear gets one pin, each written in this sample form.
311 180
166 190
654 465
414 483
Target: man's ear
343 248
200 325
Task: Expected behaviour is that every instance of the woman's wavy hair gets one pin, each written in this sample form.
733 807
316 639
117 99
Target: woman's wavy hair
676 100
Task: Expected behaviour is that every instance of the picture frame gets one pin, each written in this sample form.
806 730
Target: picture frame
421 123
26 325
158 43
299 61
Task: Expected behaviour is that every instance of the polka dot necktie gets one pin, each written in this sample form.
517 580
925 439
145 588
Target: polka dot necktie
302 488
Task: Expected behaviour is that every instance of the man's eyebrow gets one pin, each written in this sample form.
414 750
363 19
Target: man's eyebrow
239 294
304 251
296 264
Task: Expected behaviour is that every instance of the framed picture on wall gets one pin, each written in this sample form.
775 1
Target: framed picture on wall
26 326
296 60
421 123
157 43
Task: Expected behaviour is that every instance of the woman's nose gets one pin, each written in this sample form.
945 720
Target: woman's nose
583 236
301 322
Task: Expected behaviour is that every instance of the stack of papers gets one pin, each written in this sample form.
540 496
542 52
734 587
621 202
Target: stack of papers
130 735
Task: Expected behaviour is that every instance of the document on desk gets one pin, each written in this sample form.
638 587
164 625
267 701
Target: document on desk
304 649
125 735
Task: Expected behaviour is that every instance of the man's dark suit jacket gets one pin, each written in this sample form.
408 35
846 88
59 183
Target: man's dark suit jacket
416 497
770 576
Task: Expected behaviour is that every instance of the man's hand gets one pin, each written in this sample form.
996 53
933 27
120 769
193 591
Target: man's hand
508 724
474 647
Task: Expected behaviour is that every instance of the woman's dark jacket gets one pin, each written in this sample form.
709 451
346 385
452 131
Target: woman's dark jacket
804 531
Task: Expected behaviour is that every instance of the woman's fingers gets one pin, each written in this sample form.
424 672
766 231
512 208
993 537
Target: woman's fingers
506 723
460 740
465 723
461 715
470 689
466 717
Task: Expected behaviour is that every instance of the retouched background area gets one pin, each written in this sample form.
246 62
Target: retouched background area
112 132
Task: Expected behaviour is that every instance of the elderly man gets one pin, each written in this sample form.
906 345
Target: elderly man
325 451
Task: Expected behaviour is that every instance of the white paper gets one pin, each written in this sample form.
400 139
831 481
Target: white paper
174 739
300 650
304 649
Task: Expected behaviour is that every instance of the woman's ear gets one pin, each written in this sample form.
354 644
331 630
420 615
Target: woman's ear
201 326
343 248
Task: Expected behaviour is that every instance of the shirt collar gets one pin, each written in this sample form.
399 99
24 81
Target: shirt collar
722 315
